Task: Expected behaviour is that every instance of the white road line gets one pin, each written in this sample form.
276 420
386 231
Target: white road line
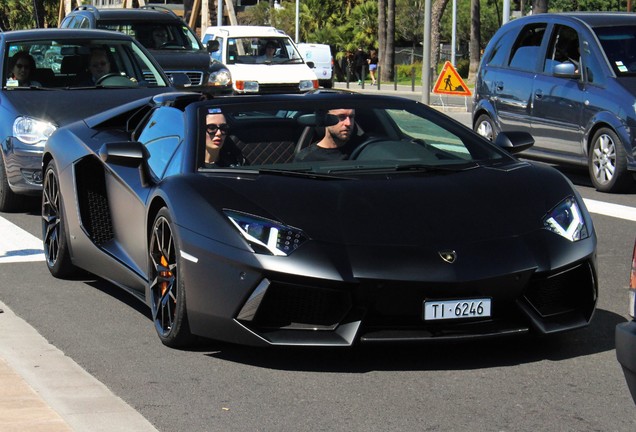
613 210
17 245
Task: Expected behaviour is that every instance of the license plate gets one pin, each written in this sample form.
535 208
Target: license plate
456 309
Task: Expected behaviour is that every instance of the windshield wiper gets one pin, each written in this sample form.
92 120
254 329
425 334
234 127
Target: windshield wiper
302 172
404 167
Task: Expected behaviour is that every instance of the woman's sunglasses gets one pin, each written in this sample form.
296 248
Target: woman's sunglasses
212 128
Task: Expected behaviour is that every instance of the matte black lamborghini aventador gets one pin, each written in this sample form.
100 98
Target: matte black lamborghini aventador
422 230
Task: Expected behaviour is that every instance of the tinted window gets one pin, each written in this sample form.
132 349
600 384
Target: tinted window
161 136
525 51
497 56
563 48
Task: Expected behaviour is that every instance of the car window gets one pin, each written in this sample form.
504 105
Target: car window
619 44
161 136
156 35
525 51
378 137
252 50
500 49
594 72
218 54
64 63
563 48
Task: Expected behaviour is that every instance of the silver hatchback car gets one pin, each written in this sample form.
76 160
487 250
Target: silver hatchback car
570 81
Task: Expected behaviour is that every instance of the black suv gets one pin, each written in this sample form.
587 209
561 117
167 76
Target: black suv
173 44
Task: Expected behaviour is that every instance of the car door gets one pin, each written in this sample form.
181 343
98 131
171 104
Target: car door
513 85
558 101
128 191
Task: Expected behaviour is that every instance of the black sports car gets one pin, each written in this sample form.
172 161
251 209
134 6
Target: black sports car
58 91
413 228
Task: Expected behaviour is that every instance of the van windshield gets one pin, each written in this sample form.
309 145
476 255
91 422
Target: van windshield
619 44
262 50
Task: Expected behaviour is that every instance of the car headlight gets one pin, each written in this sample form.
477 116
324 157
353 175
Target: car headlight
222 77
247 86
265 235
32 131
308 85
566 220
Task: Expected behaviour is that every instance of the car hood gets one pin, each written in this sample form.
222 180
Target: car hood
182 60
65 106
410 210
271 73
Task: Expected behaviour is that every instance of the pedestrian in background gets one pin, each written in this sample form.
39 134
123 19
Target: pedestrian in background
360 64
373 65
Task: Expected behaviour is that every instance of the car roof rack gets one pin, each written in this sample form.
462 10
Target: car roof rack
160 9
90 8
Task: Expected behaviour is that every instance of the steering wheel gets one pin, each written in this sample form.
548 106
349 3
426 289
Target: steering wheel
360 148
115 80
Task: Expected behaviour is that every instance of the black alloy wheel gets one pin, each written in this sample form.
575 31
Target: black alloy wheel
166 288
58 259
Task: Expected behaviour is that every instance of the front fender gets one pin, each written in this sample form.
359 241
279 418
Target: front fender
618 124
485 106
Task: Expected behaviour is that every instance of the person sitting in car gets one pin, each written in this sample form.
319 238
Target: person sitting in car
21 66
336 144
220 152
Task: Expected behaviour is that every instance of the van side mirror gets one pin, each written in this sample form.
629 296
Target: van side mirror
213 45
310 64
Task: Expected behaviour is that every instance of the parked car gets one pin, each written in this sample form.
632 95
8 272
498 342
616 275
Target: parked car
168 38
320 56
242 49
626 335
28 115
403 240
570 80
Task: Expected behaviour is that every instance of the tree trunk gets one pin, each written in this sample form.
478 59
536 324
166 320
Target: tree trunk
475 39
539 6
437 10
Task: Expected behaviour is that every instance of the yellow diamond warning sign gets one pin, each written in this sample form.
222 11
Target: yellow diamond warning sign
449 82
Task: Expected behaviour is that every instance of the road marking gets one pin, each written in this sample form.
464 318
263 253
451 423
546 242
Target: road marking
609 209
17 245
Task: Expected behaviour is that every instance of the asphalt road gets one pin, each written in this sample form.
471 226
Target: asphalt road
570 382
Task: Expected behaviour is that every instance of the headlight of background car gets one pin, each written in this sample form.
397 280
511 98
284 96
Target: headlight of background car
32 131
566 220
267 236
222 77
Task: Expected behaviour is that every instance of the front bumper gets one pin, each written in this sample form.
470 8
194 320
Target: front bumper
626 353
23 165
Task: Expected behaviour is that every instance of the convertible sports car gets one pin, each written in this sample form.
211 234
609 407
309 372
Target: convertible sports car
424 231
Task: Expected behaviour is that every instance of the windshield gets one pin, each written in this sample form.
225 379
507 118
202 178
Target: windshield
347 138
619 44
75 63
157 35
253 50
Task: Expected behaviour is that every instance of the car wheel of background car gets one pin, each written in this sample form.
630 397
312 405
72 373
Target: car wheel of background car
485 127
58 258
607 162
167 290
9 200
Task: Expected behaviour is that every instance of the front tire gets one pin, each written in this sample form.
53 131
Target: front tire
607 162
167 288
485 127
54 239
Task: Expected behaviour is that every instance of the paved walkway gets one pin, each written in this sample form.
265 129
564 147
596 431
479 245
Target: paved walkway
42 390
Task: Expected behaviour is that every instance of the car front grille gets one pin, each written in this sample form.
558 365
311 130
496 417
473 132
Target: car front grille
196 78
278 88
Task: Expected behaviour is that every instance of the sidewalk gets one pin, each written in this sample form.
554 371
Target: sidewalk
42 390
446 102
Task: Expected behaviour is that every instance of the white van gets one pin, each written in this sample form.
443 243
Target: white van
320 55
254 67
